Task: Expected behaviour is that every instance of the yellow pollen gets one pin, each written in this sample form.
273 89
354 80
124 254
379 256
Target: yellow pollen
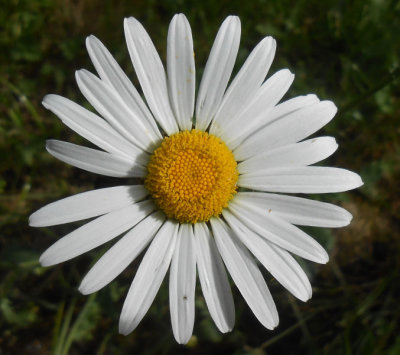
192 176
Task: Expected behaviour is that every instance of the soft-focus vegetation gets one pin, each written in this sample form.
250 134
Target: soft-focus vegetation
347 51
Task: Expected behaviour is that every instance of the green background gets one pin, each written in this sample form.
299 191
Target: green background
345 51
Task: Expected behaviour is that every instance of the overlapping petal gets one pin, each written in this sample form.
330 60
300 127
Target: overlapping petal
151 74
217 71
276 260
109 71
213 279
298 154
96 161
90 126
117 258
297 210
278 112
244 85
291 128
277 231
246 274
108 103
96 233
149 277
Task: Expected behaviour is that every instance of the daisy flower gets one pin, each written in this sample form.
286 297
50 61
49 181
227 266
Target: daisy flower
208 173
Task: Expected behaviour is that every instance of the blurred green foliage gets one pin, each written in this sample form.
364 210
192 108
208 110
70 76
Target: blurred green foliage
346 51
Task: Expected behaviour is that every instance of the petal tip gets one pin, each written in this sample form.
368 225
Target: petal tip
361 182
32 220
123 328
78 74
130 21
90 41
325 258
275 323
46 99
44 260
182 340
332 107
84 289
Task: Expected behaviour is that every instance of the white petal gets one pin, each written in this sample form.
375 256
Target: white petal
276 260
245 84
148 278
109 104
151 74
297 210
257 111
289 129
111 73
296 269
246 274
213 279
278 231
292 105
181 70
309 179
182 282
90 126
217 71
95 161
96 233
278 112
87 205
298 154
117 259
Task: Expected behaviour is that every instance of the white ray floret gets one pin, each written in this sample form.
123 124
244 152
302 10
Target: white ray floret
245 84
309 179
258 108
95 161
105 100
117 258
298 154
95 233
278 112
276 260
148 278
150 73
297 210
182 282
87 205
291 128
278 232
213 279
90 126
246 274
109 71
217 71
181 71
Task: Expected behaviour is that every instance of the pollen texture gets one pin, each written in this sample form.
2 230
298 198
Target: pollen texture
192 176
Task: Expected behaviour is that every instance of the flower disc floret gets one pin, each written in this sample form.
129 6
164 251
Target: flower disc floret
192 176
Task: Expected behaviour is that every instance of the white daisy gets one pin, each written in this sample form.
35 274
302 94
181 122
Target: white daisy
209 171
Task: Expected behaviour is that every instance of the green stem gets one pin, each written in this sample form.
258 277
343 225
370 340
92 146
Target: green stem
60 341
72 335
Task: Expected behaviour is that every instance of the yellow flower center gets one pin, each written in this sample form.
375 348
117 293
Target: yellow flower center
192 176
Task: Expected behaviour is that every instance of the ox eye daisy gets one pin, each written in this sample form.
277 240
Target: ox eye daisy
209 171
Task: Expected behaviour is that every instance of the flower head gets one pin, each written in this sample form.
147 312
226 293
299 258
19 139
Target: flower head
208 171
